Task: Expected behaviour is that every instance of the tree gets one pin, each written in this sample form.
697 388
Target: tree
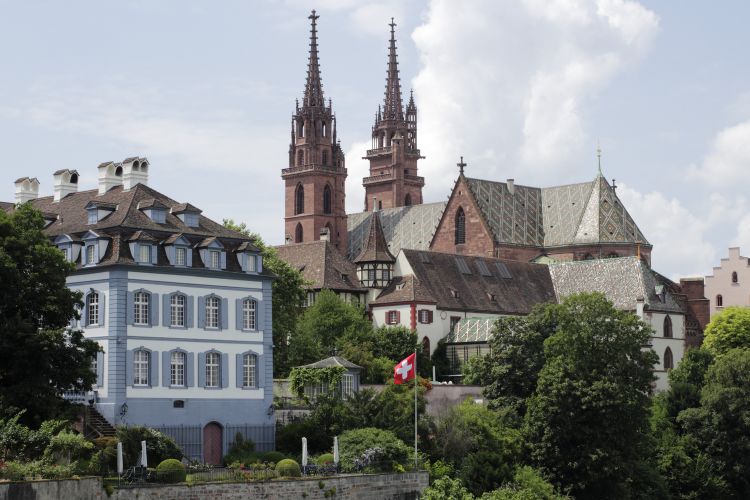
288 296
686 382
39 357
727 330
447 488
587 423
527 484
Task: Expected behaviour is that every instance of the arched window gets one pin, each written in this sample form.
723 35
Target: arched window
734 277
426 346
140 367
380 204
300 158
460 226
407 200
325 157
298 233
249 364
93 309
327 199
719 301
668 327
213 369
140 306
324 130
668 359
299 200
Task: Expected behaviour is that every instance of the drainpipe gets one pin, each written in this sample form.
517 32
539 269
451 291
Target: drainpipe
413 316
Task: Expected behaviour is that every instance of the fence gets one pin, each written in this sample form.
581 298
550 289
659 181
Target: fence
190 437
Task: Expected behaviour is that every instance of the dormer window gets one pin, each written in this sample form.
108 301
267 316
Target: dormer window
90 255
144 253
143 248
188 214
70 249
98 210
215 259
95 248
180 254
454 293
154 210
179 251
212 254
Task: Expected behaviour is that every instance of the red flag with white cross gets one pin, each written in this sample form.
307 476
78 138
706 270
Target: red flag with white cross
406 370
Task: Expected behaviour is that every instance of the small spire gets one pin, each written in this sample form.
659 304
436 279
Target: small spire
599 156
393 108
313 86
461 166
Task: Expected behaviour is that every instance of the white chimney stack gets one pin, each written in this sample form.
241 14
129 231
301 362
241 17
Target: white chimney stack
110 175
26 189
65 183
134 171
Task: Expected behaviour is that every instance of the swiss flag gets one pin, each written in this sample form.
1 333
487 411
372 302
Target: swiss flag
405 370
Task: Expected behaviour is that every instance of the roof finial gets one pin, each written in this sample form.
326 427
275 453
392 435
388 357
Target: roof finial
313 86
393 108
599 156
461 166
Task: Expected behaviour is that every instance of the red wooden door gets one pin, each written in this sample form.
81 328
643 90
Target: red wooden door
212 444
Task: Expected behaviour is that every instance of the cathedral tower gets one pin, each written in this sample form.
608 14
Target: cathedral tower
315 179
393 158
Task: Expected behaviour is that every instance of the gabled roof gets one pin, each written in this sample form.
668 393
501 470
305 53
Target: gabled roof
623 280
404 289
333 361
322 265
476 284
403 227
375 249
142 236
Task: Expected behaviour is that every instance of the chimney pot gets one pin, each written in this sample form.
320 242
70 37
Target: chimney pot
27 189
134 171
65 182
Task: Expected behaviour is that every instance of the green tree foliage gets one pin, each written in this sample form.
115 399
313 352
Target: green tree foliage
19 442
354 443
447 488
587 423
527 484
288 296
686 382
728 330
39 358
159 447
477 371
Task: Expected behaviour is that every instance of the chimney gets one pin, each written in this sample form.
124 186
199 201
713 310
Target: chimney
27 189
325 234
134 171
511 186
110 175
288 239
65 183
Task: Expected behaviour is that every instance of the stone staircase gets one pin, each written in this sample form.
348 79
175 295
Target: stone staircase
95 424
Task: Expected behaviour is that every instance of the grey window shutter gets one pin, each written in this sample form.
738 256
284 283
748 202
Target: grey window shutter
102 309
201 312
201 369
170 254
224 314
189 255
154 312
99 368
166 301
225 370
190 372
238 314
154 254
133 250
131 308
165 367
223 259
189 311
242 261
260 371
153 377
238 370
260 317
259 263
85 312
129 369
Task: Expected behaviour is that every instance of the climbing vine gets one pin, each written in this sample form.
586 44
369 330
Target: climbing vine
300 377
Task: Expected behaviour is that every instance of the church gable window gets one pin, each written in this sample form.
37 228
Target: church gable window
460 236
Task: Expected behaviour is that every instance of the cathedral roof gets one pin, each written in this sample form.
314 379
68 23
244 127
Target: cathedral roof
376 248
403 227
623 280
322 265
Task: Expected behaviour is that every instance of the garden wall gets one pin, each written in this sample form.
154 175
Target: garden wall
89 488
405 486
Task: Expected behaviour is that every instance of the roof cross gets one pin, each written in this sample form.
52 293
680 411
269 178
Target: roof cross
313 16
461 165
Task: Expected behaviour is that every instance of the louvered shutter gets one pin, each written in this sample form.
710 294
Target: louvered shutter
154 309
225 370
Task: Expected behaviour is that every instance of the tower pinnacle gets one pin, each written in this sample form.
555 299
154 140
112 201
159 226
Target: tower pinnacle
313 86
393 109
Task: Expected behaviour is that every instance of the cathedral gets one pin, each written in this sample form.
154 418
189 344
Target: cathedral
446 268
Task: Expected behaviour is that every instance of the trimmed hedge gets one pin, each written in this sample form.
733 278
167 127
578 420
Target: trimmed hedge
171 471
324 459
288 468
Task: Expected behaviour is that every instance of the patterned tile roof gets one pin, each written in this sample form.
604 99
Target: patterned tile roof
404 227
404 289
322 265
375 247
622 280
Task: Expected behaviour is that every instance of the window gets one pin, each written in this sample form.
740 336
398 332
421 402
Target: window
212 369
248 314
460 226
668 359
249 362
66 253
299 200
177 369
386 275
734 277
212 312
93 309
140 367
327 199
425 316
144 253
454 293
392 317
180 255
177 311
325 157
347 385
371 275
668 327
719 301
251 263
298 233
90 254
140 305
215 259
454 322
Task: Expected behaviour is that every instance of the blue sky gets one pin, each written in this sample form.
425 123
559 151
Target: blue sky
522 89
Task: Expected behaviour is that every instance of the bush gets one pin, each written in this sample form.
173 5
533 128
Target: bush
18 471
272 457
447 488
289 437
67 446
288 468
324 459
159 446
391 450
18 442
170 471
241 450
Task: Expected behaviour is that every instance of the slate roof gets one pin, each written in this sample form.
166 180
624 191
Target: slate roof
375 249
515 286
404 227
622 280
573 214
7 206
333 361
322 265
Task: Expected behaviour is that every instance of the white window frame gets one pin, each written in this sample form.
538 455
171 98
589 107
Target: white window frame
424 316
141 308
347 385
213 370
90 255
214 259
92 309
144 254
249 374
249 314
180 256
141 367
213 306
177 308
177 369
251 263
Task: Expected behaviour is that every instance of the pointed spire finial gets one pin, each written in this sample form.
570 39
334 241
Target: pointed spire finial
599 156
393 108
313 86
461 166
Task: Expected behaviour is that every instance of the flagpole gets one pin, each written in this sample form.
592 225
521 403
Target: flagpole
416 381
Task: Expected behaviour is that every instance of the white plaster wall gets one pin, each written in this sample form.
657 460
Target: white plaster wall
720 282
659 343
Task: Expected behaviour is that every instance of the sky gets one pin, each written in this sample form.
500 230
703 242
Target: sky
524 89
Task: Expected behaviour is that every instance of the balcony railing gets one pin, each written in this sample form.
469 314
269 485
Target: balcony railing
312 168
379 151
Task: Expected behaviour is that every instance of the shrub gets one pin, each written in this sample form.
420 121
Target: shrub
289 437
324 459
18 471
159 446
390 450
288 468
446 488
18 442
241 450
170 471
272 457
67 446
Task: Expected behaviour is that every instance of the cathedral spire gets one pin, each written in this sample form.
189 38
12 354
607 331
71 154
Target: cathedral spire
393 109
313 86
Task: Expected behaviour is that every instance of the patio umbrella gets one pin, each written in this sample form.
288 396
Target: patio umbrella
144 459
335 449
304 452
119 458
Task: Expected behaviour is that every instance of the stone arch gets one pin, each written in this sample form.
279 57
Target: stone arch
298 233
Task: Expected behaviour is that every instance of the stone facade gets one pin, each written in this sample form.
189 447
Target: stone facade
729 285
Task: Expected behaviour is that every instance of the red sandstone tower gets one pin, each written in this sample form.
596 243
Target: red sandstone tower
315 179
393 179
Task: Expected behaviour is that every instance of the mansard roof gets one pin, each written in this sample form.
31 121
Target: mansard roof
623 280
376 248
403 227
322 265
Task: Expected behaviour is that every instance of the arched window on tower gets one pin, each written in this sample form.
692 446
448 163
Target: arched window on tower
460 226
299 200
327 199
407 200
719 301
668 327
324 130
734 277
668 359
426 346
325 157
300 158
298 233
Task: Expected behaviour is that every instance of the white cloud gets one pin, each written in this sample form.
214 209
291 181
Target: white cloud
728 159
